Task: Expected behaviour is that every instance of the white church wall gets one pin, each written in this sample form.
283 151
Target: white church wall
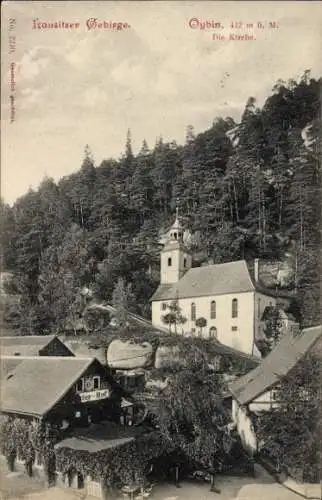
180 263
234 332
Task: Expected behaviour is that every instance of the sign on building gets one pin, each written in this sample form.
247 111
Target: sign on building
94 395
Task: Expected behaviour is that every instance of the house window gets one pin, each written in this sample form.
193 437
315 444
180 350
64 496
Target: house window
193 311
213 309
80 385
96 384
169 261
184 262
234 308
234 329
193 330
213 332
163 306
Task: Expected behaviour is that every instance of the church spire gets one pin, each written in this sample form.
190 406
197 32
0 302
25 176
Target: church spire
175 233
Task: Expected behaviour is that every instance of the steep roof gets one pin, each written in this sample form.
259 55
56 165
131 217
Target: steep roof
217 279
8 363
25 345
36 384
277 364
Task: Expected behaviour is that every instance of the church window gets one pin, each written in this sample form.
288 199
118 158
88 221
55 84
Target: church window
184 262
234 308
175 235
213 332
213 309
169 261
193 311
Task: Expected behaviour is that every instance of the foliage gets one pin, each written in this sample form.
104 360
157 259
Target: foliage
122 465
23 437
192 418
295 447
122 299
96 319
174 316
201 323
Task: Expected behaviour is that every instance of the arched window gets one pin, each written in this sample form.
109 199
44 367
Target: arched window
193 311
213 309
213 332
175 236
184 262
234 308
169 261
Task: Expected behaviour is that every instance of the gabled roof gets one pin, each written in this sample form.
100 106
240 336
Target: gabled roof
36 384
25 345
277 364
217 279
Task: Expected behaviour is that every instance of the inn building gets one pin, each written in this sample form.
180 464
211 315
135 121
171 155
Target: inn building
79 396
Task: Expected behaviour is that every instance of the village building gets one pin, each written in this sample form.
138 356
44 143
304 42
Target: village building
78 397
229 297
256 391
33 345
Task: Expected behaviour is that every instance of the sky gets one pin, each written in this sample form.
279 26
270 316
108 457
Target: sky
81 86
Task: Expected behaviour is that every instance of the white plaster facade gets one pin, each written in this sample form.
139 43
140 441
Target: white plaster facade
235 332
180 260
242 418
244 427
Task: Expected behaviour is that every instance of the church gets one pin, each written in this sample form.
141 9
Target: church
229 297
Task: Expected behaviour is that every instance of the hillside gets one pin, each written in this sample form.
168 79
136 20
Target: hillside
245 190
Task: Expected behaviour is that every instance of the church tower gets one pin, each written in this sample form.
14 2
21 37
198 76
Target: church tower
176 259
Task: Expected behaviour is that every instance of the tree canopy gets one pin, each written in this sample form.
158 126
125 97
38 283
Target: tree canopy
247 189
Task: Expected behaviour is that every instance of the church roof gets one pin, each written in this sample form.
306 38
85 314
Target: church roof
217 279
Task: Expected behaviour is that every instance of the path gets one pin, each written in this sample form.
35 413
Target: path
16 486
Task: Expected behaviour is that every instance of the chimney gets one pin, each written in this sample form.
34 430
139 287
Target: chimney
256 272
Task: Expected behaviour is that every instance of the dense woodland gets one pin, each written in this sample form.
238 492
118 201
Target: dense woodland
248 189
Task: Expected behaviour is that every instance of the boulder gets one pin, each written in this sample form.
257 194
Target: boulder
168 357
128 354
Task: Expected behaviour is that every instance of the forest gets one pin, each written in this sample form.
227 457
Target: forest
244 190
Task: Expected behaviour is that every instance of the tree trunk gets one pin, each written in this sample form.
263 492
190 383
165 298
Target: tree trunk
235 201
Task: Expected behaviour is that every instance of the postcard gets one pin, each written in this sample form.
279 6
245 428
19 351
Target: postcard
160 327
